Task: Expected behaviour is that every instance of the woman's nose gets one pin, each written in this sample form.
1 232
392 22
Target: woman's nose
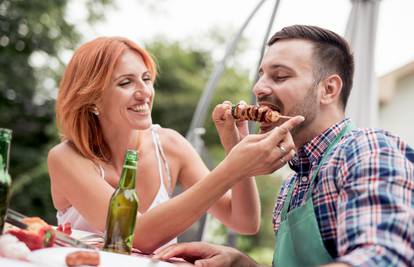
143 90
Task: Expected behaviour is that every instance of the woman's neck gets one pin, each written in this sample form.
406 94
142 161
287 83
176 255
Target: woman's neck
118 142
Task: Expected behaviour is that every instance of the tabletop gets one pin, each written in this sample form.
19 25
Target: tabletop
55 256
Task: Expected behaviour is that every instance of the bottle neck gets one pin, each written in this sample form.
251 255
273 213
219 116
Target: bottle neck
127 180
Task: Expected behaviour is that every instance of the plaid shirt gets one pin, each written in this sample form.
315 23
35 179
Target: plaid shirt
363 195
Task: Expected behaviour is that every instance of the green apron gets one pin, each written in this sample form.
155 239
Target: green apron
298 239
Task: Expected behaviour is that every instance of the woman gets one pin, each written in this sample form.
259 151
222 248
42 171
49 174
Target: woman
103 108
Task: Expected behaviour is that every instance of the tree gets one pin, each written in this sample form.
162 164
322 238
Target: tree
33 34
182 76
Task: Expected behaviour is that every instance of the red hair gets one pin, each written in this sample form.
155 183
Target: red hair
87 75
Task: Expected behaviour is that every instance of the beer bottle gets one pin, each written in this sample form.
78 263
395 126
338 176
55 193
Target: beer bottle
5 180
123 207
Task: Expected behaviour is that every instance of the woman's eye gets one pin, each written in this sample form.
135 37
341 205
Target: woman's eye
124 83
146 79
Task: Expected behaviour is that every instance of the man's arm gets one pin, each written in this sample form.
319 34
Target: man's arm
205 254
375 204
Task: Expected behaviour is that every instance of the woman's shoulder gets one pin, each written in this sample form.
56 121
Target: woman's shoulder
172 140
63 149
170 134
65 153
64 158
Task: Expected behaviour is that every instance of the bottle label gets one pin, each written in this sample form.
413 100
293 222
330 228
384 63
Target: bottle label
129 194
131 155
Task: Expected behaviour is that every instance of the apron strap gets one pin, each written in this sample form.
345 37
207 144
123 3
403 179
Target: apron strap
349 126
338 138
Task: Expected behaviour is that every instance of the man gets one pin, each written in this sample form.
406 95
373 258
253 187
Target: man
350 201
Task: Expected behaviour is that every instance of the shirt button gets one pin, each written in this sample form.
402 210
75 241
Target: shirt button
304 179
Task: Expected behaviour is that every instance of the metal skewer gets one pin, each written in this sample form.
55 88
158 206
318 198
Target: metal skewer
15 218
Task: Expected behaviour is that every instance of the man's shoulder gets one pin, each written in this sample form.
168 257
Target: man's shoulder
363 137
366 141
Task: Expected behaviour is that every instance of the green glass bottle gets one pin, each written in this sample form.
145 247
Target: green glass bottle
5 180
123 207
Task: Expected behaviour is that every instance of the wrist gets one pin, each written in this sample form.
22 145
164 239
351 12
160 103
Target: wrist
228 146
230 171
242 260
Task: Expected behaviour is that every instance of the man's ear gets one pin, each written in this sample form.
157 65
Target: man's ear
332 87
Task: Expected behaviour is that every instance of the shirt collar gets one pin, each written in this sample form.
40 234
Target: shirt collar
313 150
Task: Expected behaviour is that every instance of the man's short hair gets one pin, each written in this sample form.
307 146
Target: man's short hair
332 53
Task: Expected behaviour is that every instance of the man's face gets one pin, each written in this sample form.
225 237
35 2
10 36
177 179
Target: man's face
287 82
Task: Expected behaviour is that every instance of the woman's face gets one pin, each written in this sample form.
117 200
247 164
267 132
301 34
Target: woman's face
128 100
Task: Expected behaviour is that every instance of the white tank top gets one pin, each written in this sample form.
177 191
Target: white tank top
77 221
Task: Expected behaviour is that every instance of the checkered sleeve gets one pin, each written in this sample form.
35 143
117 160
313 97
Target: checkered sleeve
376 203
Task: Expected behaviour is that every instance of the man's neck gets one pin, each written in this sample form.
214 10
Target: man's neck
317 127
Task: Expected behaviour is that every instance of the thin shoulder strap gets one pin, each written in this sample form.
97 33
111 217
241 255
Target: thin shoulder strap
101 169
161 157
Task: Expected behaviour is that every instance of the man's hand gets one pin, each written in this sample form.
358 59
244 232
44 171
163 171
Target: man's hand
206 255
229 130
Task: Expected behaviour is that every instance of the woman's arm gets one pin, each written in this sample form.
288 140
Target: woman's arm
238 209
77 181
254 155
83 187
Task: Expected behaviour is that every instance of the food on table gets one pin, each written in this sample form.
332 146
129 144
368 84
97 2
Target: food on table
65 228
38 234
11 247
82 258
256 113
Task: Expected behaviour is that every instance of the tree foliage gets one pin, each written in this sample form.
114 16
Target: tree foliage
183 74
33 34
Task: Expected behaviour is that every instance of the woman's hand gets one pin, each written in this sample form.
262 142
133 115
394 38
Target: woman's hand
230 131
259 154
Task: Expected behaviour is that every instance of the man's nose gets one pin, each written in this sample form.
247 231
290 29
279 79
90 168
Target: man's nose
261 88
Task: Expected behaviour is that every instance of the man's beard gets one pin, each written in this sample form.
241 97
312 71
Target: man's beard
307 108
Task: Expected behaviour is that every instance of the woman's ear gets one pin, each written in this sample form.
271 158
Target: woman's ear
332 87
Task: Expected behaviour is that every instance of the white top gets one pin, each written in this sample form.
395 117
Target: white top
77 221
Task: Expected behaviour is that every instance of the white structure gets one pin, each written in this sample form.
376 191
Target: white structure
396 97
361 33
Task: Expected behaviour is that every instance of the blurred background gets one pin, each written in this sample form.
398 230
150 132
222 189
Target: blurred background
187 39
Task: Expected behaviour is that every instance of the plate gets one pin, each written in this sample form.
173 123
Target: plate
55 257
87 236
